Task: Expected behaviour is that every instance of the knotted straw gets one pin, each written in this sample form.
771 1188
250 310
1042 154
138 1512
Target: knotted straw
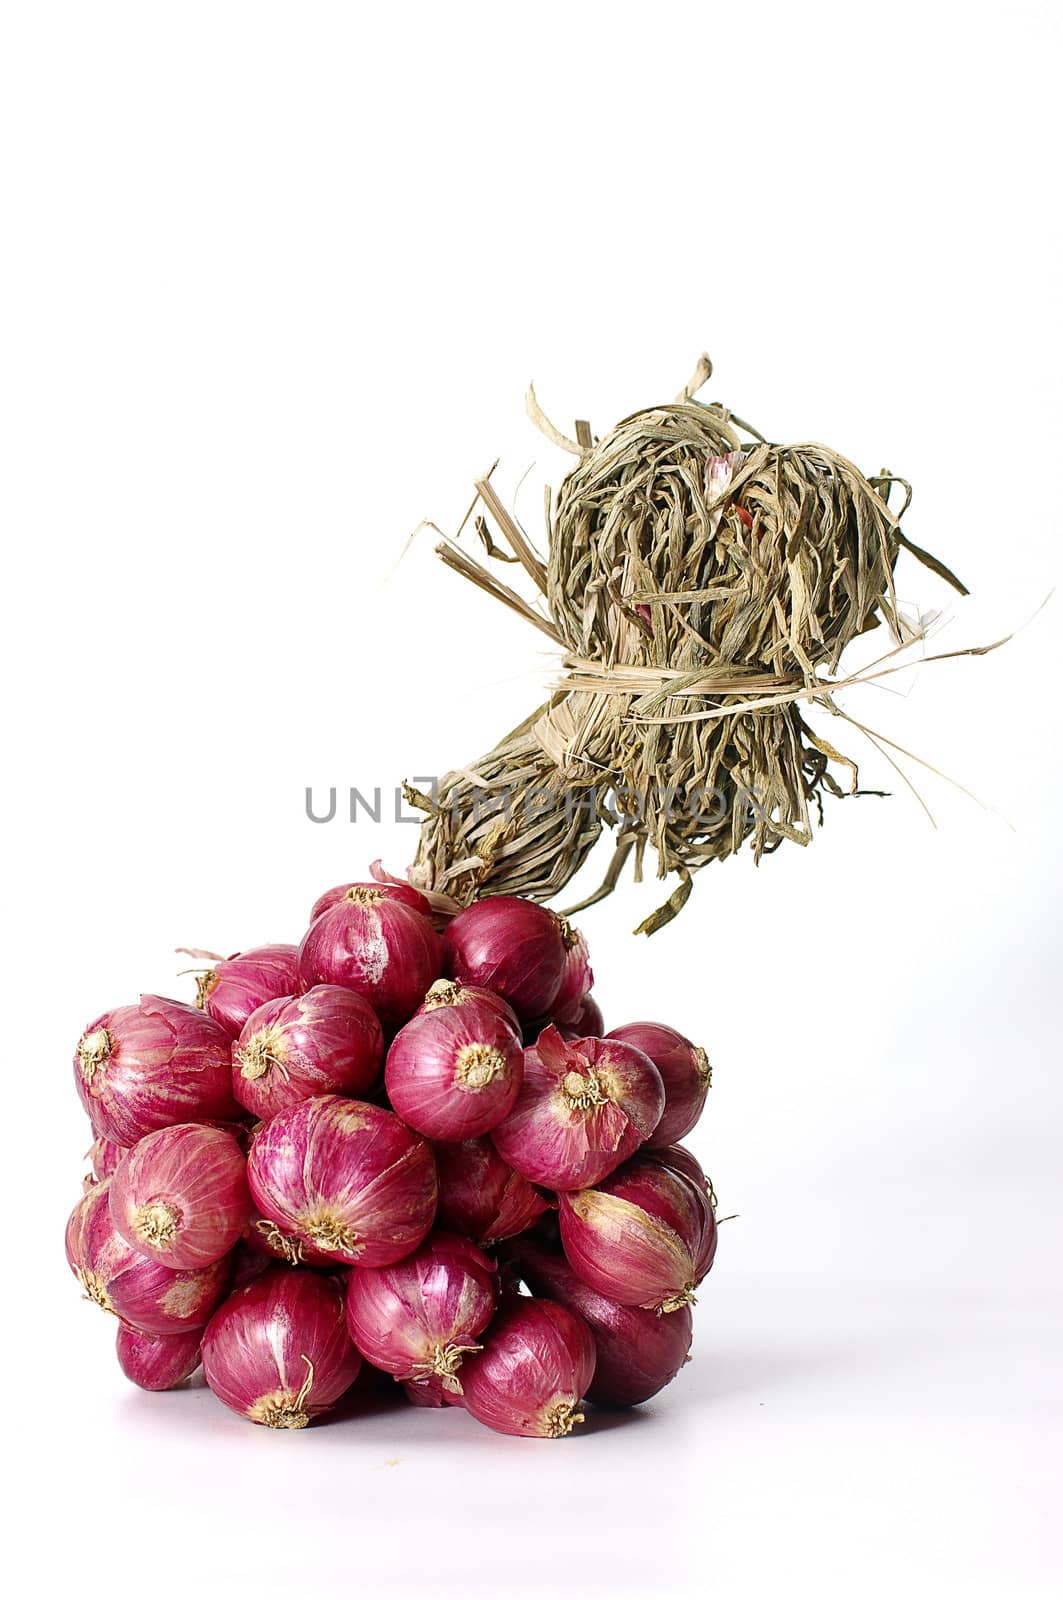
702 585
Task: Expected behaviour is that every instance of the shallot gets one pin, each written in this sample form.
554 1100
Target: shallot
376 944
146 1066
418 1318
481 1196
511 946
646 1236
232 989
277 1351
454 1071
536 1365
326 1041
585 1106
157 1361
346 1178
180 1195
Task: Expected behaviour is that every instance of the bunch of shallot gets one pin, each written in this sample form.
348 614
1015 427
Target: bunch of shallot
408 1145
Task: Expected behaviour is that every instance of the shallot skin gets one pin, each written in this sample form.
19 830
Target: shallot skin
454 1072
645 1236
588 1023
180 1196
156 1361
234 988
277 1351
511 946
105 1156
418 1318
536 1365
585 1106
480 1195
346 1178
326 1041
638 1352
150 1297
147 1066
377 945
576 980
684 1070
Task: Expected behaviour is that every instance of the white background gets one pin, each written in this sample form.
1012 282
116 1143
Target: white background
276 278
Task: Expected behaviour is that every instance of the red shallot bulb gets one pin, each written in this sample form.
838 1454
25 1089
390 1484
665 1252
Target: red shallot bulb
326 1041
585 1106
277 1351
153 1298
455 1071
679 1159
180 1195
377 945
388 888
511 946
266 1239
536 1365
157 1361
230 991
684 1070
105 1156
645 1237
346 1178
576 980
417 1318
147 1066
481 1196
638 1352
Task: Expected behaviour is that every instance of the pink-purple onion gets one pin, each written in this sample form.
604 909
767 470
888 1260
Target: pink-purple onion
180 1195
511 946
147 1066
638 1352
588 1023
419 1317
646 1236
232 989
536 1366
277 1352
326 1041
576 979
480 1195
685 1073
376 944
152 1298
454 1071
157 1361
387 888
346 1178
585 1106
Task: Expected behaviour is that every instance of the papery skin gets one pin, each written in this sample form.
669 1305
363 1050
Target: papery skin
156 1361
236 987
480 1195
378 946
326 1041
152 1298
638 1352
418 1318
576 981
430 1392
148 1066
646 1236
685 1073
677 1158
511 946
277 1351
536 1365
452 992
432 1064
265 1238
556 1138
389 888
345 1177
180 1196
